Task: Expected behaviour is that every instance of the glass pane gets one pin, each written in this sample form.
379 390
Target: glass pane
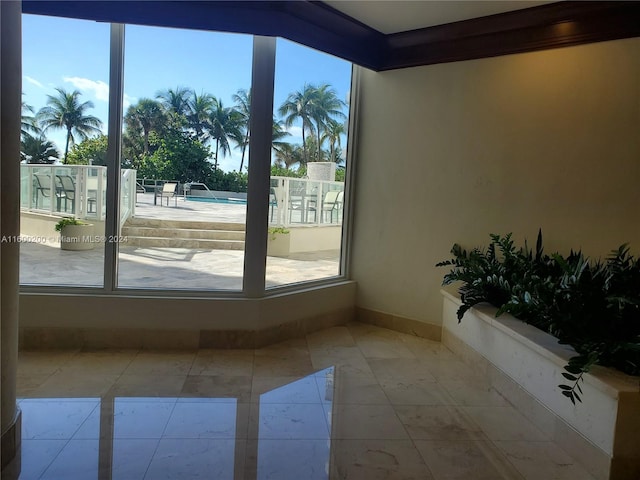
311 110
184 182
65 107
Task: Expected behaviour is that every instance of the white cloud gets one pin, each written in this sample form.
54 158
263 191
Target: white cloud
99 89
127 101
33 81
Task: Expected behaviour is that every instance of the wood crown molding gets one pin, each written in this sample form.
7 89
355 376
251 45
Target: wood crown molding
548 26
319 26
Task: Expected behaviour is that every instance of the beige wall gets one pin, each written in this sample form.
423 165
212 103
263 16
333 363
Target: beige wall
449 153
188 314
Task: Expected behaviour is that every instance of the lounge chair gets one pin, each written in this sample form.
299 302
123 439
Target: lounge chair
168 191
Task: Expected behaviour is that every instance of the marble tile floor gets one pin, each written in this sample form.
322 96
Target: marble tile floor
356 402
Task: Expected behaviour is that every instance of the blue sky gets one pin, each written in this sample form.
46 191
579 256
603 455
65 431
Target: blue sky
77 57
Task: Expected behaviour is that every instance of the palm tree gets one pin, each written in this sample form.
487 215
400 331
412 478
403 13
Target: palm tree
326 106
243 106
277 134
198 112
28 123
176 101
65 111
287 155
299 106
333 133
143 117
223 125
38 150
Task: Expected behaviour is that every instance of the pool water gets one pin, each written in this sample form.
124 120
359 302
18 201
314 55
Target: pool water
232 201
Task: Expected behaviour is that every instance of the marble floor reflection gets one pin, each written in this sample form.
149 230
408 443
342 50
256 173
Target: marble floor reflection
354 402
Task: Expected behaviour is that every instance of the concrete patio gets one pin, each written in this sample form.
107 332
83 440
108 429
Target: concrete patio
44 263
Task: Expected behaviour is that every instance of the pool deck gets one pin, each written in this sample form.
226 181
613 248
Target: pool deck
170 268
181 209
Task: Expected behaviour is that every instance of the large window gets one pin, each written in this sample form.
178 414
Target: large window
186 136
311 112
165 186
65 93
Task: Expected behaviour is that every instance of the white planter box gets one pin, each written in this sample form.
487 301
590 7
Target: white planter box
279 244
603 431
77 237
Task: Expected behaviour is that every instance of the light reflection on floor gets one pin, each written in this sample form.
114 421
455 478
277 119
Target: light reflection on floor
355 402
181 437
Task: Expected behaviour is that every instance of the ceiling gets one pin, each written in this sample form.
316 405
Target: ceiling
389 16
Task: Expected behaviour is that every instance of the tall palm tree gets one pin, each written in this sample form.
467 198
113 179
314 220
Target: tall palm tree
143 117
65 111
223 125
198 111
37 149
299 106
326 106
176 101
243 106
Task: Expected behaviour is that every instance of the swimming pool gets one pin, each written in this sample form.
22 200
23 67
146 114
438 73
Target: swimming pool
230 201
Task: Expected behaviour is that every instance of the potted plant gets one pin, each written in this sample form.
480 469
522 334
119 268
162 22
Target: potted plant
278 242
75 234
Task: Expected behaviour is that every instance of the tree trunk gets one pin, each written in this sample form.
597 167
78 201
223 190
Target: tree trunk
66 147
244 149
304 145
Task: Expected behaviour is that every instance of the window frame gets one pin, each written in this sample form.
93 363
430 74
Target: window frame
256 223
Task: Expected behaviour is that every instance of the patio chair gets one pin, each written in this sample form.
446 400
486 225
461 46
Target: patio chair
42 187
332 203
301 199
67 188
169 191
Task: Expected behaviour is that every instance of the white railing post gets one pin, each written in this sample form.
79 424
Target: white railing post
52 190
76 196
134 191
283 213
319 200
99 197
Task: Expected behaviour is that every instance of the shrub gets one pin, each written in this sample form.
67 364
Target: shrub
592 306
68 221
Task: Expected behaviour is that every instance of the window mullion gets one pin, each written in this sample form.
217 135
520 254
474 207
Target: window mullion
112 220
261 128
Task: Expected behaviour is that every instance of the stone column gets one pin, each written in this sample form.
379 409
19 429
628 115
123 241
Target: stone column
10 109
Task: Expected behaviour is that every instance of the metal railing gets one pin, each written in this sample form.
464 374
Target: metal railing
74 190
298 201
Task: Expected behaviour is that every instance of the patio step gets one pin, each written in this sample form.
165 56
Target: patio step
191 233
147 232
190 224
